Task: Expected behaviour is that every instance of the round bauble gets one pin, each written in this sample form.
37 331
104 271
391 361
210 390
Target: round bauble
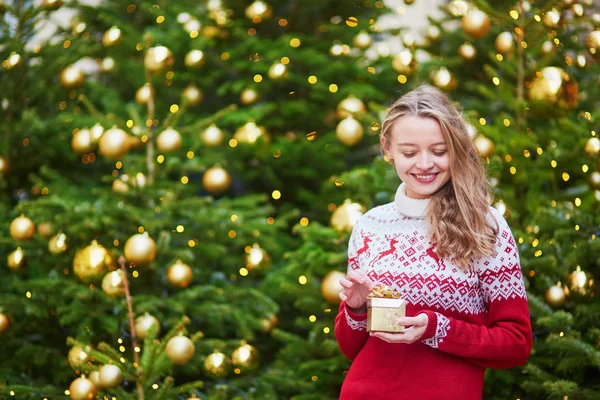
433 33
92 262
212 136
551 18
349 131
45 229
245 358
592 146
144 94
77 357
581 60
82 389
257 258
476 23
94 376
82 142
108 64
258 10
192 95
553 88
555 296
179 274
113 284
58 244
594 180
71 77
548 47
268 323
110 376
119 186
345 216
4 323
404 63
250 133
504 42
467 51
484 146
443 79
194 59
180 350
580 282
350 106
363 40
140 249
13 60
331 288
144 323
458 8
112 37
114 143
216 365
17 259
3 166
593 43
249 97
22 228
158 59
277 71
168 141
216 180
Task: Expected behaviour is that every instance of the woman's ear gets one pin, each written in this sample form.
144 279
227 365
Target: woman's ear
385 146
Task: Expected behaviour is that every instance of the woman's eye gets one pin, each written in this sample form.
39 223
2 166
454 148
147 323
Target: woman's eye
439 153
408 155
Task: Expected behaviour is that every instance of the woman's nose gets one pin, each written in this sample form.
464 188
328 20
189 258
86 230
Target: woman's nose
424 162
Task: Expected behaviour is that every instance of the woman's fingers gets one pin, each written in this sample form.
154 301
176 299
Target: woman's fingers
345 283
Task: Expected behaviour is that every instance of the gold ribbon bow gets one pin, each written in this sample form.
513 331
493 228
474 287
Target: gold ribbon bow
383 291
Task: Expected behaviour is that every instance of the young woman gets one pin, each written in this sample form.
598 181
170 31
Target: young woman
449 254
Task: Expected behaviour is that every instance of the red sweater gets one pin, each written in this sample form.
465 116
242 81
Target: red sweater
477 319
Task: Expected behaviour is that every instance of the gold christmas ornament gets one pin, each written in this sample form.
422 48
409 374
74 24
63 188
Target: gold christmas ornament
504 42
467 51
578 10
94 376
345 216
45 229
404 63
77 357
443 79
245 358
71 77
180 350
363 40
144 94
140 249
192 95
51 5
594 180
581 60
92 262
144 323
458 8
257 258
112 37
194 59
349 131
212 136
82 389
113 285
119 186
484 146
216 365
269 323
3 166
555 296
17 259
58 244
22 228
110 376
4 323
108 64
168 141
476 23
250 133
580 282
179 274
158 59
216 180
551 19
568 3
331 288
193 25
82 142
593 43
592 146
548 47
433 33
249 97
552 87
259 9
13 60
277 71
114 143
350 106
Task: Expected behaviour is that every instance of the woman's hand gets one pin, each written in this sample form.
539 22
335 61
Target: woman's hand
414 329
357 286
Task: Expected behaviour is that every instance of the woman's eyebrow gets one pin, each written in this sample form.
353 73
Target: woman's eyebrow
414 145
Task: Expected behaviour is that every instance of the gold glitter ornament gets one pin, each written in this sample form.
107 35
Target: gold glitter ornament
82 389
404 63
112 37
363 40
114 143
22 228
548 47
484 146
17 259
350 106
92 262
593 43
179 274
113 285
108 64
168 141
119 186
331 288
4 323
77 357
144 94
250 132
140 249
504 42
278 71
94 376
3 166
144 323
180 350
551 18
349 131
158 59
51 5
192 95
581 60
552 87
58 244
13 60
458 8
216 365
82 142
433 33
555 296
268 323
444 79
580 282
345 216
194 59
258 9
45 229
110 376
467 51
592 146
212 136
71 77
216 180
476 23
257 258
594 180
245 358
249 97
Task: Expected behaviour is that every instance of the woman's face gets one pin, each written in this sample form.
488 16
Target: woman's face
420 154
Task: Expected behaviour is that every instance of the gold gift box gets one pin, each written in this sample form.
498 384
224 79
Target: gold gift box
383 314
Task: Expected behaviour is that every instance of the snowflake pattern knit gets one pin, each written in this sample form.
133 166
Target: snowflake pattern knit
478 319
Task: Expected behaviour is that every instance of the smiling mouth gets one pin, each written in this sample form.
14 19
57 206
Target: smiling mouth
425 178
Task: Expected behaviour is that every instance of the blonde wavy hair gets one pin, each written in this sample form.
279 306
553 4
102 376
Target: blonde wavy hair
458 212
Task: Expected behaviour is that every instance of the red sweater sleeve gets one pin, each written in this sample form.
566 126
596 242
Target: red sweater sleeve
505 340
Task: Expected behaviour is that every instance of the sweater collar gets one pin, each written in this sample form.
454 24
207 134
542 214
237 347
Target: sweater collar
408 206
